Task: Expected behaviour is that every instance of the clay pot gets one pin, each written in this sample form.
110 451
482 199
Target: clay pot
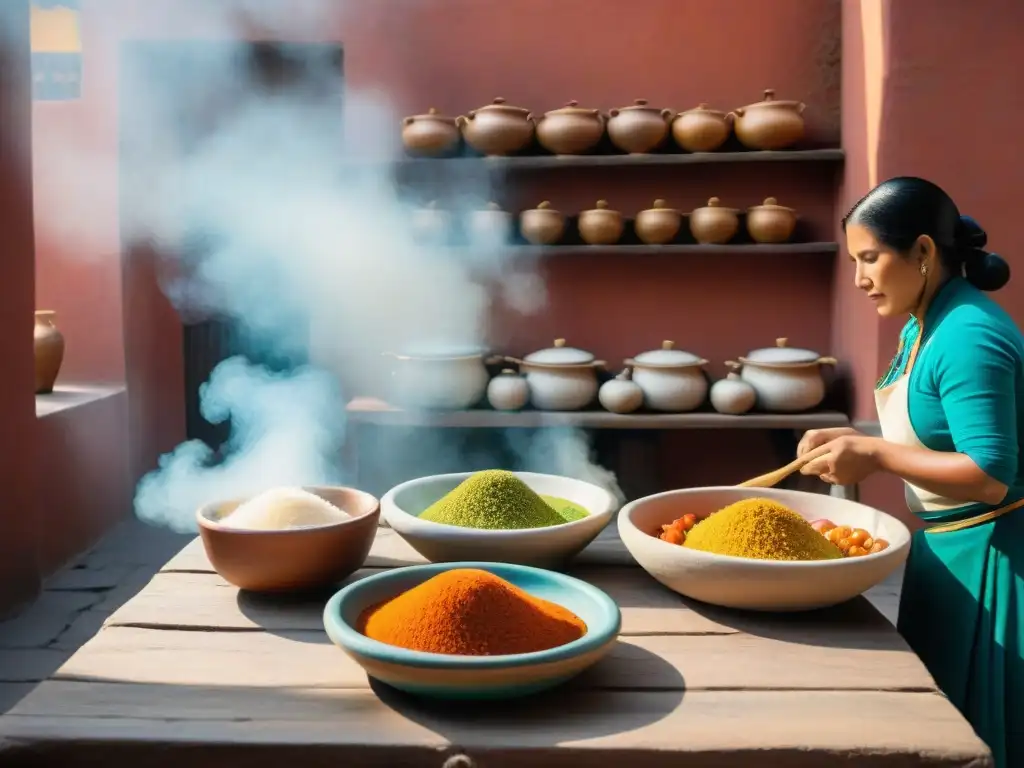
490 225
430 135
638 129
621 394
542 225
659 224
732 395
497 129
672 380
769 124
600 225
570 130
431 224
713 224
786 379
701 129
560 378
49 351
508 391
770 222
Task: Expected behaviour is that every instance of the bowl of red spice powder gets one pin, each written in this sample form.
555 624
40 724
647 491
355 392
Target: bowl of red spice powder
472 630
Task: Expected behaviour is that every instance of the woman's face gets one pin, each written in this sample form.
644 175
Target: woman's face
893 281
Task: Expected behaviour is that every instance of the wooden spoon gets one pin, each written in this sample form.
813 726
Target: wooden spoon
776 476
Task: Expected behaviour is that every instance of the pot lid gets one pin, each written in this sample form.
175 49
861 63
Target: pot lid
782 354
499 105
545 205
703 109
660 205
771 101
433 114
771 204
639 105
572 108
601 205
668 356
491 207
510 372
559 354
716 204
439 351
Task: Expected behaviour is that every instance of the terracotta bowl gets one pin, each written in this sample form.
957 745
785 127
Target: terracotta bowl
297 559
761 585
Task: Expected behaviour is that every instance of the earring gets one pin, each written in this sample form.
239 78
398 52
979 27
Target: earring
924 270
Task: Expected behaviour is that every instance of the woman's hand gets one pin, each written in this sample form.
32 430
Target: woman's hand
814 437
850 459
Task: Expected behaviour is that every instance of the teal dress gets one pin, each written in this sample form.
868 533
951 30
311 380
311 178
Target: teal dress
962 607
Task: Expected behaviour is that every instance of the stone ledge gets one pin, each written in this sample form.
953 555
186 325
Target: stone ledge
67 396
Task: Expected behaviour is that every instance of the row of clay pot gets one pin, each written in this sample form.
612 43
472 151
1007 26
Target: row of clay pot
501 129
601 225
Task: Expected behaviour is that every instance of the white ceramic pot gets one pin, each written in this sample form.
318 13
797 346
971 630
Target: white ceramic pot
431 224
560 378
672 380
732 395
508 391
621 394
452 380
489 226
786 379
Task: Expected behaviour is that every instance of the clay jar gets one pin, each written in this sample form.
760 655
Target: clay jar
600 225
769 124
701 129
638 129
714 224
430 135
570 130
497 129
508 391
542 225
658 225
621 394
732 395
770 222
490 225
431 224
48 343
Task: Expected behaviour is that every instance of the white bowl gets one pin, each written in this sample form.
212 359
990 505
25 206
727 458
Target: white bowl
440 543
760 585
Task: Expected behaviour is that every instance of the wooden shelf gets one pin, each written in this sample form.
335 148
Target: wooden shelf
544 251
544 162
368 411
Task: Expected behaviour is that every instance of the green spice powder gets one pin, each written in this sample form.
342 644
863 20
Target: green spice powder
498 500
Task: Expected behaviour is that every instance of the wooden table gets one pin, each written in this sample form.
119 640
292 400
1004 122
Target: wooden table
192 673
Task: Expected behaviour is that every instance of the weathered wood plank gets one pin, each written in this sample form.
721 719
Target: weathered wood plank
84 724
308 659
390 551
206 601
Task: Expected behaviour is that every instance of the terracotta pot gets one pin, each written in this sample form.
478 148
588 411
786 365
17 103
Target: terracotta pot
769 124
659 224
490 225
701 129
770 222
431 224
49 351
600 225
497 129
713 224
570 130
638 129
430 135
542 225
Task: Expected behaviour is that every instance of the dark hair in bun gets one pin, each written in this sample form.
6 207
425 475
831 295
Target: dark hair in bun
900 210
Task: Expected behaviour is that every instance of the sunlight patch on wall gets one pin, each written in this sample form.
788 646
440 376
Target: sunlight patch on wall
56 50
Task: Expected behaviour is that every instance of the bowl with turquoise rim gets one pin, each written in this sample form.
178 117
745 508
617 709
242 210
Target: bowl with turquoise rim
444 676
548 547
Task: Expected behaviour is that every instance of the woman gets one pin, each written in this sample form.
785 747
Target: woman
951 409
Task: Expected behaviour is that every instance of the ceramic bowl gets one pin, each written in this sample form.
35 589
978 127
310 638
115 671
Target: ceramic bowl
545 547
439 675
296 559
761 585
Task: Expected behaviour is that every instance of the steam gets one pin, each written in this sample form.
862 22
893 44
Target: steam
275 212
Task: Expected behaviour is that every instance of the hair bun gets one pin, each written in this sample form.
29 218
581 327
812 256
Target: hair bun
986 271
969 234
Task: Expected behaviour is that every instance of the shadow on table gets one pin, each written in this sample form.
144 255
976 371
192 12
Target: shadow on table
598 703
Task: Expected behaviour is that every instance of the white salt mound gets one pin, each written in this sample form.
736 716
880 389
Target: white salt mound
283 508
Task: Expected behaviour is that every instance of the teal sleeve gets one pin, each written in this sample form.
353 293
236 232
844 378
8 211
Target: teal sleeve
976 378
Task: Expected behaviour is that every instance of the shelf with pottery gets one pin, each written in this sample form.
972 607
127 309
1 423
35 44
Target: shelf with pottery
638 135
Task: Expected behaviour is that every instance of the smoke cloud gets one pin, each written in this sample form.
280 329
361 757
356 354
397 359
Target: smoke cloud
276 208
